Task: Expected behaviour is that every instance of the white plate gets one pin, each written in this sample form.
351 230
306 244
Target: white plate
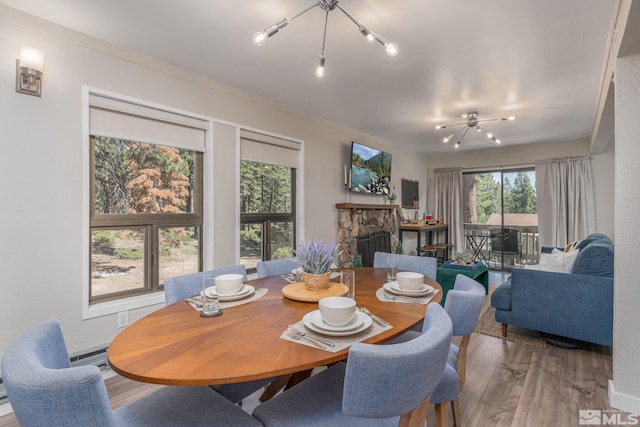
365 325
244 292
316 319
394 288
421 290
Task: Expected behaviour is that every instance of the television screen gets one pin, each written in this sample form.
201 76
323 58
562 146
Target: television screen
370 170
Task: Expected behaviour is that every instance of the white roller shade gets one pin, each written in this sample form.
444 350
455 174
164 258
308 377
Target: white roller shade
262 148
120 119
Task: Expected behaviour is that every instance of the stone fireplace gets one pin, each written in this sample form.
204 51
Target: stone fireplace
362 219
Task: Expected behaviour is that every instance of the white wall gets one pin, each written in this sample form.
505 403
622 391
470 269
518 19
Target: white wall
41 167
602 167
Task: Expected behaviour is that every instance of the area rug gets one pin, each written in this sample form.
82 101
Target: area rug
487 325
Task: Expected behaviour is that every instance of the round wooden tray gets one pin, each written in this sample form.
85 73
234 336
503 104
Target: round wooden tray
297 291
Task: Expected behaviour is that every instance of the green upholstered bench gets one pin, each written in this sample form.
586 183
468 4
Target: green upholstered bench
446 277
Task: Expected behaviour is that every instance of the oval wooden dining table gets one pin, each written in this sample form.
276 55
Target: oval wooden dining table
176 346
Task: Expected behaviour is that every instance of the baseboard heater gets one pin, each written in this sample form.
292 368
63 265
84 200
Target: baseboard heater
96 356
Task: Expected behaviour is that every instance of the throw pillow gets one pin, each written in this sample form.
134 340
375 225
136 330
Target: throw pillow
559 262
572 246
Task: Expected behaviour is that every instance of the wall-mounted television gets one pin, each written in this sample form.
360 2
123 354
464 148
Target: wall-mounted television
370 170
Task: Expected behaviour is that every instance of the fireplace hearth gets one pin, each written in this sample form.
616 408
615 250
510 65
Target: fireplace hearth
363 227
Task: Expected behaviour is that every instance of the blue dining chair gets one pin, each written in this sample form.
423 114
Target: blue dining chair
379 385
463 305
181 287
44 390
276 267
425 265
178 288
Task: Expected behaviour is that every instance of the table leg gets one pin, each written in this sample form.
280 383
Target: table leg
476 246
481 256
275 386
298 377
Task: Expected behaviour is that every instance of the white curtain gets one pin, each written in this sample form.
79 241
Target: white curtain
566 209
447 186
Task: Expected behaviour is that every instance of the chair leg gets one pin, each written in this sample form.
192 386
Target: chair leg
417 417
504 330
442 418
455 410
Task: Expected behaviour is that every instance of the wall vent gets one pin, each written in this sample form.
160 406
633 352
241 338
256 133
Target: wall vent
93 356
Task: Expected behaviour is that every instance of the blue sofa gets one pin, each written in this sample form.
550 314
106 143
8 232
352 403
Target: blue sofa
578 305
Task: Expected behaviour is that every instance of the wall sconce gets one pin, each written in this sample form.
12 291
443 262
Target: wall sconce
29 71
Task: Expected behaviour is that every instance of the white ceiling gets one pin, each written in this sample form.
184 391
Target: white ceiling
539 60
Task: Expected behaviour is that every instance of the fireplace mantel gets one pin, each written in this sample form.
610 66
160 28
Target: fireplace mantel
355 206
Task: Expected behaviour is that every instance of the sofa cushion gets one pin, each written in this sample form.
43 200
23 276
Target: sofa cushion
594 237
501 297
558 262
550 249
595 259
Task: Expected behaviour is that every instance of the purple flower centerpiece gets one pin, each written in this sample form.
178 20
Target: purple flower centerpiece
315 259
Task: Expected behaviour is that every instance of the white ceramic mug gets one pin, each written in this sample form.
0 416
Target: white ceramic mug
409 280
337 311
229 283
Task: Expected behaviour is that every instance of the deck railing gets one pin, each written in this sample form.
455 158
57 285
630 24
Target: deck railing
527 238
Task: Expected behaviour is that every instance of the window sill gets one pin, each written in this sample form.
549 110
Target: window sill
112 307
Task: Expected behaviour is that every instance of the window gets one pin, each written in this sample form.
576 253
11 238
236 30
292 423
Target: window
146 198
501 205
145 220
267 216
268 169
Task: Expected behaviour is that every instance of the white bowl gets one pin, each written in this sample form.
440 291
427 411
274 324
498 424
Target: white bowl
229 283
337 311
409 280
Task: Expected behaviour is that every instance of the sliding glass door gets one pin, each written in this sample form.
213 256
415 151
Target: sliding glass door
500 217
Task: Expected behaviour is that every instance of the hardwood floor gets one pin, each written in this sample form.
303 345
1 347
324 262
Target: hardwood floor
507 384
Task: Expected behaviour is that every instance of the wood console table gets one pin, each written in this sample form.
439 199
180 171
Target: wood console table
418 229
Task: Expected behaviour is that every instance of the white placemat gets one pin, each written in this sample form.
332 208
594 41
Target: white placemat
259 293
340 343
381 292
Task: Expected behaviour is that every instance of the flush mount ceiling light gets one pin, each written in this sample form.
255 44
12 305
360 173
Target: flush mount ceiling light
326 5
471 122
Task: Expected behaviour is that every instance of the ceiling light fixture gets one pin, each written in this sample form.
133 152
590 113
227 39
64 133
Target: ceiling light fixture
471 122
327 5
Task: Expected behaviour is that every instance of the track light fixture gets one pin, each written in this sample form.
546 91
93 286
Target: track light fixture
471 122
327 5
